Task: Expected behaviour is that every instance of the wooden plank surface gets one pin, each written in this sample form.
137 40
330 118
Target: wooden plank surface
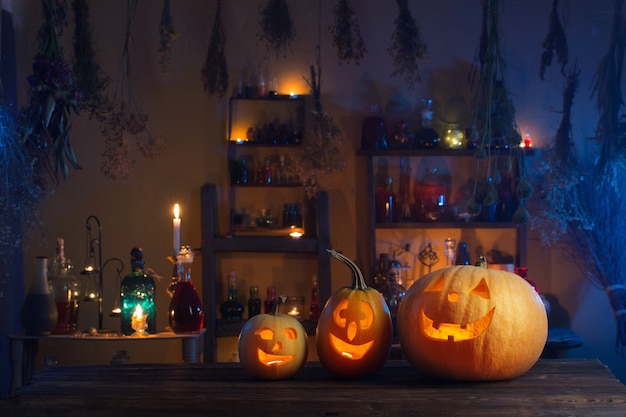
556 387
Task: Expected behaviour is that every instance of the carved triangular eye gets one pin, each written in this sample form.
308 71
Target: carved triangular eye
481 290
436 286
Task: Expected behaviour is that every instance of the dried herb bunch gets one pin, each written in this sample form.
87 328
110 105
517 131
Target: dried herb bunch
323 149
347 33
167 34
494 129
277 27
583 195
408 46
215 70
45 124
123 124
554 42
88 74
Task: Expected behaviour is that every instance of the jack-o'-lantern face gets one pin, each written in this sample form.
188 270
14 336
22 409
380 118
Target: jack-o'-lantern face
271 350
273 346
350 321
435 329
471 323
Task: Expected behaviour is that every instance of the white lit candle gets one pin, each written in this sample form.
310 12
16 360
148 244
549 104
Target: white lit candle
176 221
139 321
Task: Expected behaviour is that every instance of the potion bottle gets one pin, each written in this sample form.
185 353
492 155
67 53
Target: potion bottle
138 294
185 312
65 289
39 312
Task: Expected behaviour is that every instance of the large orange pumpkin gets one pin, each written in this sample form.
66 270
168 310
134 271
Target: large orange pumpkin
472 323
273 346
353 336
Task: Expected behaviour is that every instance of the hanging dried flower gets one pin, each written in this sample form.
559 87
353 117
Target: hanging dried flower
45 123
277 27
122 123
88 73
555 42
346 33
408 46
495 129
215 70
167 34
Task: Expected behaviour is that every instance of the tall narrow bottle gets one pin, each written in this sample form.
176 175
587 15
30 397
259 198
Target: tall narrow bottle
270 300
231 309
65 290
185 313
138 296
254 302
314 309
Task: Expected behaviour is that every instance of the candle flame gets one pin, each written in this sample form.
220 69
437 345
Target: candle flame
138 314
176 211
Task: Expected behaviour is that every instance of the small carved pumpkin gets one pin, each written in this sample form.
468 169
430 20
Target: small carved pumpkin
273 346
354 330
472 323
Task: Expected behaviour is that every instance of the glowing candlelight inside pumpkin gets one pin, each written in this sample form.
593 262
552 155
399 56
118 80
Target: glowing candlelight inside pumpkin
139 321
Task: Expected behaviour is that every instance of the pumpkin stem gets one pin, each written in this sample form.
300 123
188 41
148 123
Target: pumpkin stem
276 308
482 262
359 281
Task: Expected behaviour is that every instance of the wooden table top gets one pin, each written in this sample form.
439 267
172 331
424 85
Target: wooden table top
553 387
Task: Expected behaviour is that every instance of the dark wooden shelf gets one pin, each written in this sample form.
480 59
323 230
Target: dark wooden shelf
434 152
226 328
264 244
447 225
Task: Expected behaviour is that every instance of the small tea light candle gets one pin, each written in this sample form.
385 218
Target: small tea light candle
294 306
139 321
294 312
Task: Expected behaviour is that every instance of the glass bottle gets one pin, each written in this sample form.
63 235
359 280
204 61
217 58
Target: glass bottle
450 251
270 300
231 309
185 312
65 290
39 314
404 204
138 297
430 196
462 257
254 302
374 130
386 206
314 309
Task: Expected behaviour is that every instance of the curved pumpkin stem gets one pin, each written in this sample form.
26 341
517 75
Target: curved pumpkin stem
359 281
276 308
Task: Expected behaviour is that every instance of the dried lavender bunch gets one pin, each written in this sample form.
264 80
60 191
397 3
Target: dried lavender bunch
167 34
346 33
408 46
277 27
88 73
554 42
215 70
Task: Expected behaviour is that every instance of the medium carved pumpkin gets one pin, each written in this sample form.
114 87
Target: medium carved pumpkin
273 346
354 330
472 323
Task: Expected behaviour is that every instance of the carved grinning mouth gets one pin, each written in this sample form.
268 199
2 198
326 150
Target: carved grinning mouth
453 332
348 350
269 359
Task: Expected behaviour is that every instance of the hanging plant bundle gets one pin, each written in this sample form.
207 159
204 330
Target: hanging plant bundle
167 34
277 27
346 33
123 124
88 73
45 123
215 70
408 46
494 129
554 43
